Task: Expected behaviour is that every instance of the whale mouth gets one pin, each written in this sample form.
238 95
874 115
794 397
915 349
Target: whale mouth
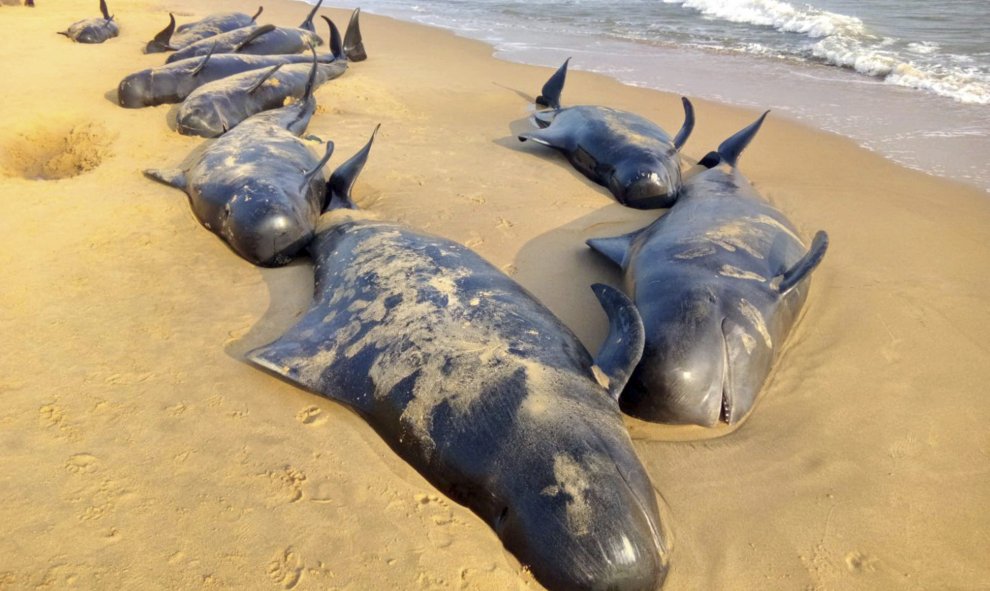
725 412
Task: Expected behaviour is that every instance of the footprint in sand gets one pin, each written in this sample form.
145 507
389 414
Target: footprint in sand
286 485
286 568
82 464
311 415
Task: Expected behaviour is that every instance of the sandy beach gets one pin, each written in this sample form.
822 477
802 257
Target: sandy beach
138 449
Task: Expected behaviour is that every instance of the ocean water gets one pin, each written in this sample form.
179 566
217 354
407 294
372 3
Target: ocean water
906 78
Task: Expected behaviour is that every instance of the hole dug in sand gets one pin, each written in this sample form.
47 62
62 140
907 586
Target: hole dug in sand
55 151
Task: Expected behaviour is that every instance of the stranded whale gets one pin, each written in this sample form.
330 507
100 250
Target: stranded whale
172 39
483 390
93 30
172 83
215 108
259 187
719 281
630 155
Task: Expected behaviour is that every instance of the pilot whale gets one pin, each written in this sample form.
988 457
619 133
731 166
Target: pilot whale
171 38
259 187
483 390
720 281
172 83
93 30
628 154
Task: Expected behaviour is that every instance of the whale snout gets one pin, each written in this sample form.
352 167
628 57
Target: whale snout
646 189
132 92
588 531
266 234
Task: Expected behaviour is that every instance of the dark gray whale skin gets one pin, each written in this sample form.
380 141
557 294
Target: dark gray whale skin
258 187
720 281
633 157
215 108
93 30
264 40
172 83
484 391
171 38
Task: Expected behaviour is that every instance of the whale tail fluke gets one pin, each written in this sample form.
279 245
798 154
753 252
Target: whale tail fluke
353 44
623 347
790 278
688 126
550 94
342 180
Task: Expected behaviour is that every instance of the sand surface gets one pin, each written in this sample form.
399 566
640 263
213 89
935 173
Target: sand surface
139 451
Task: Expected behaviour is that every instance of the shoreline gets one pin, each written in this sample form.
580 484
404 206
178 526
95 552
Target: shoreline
143 451
911 127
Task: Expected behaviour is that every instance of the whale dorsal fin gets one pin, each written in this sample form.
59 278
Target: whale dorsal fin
310 174
790 278
730 149
335 44
308 23
614 248
206 59
262 30
550 94
264 77
342 180
173 177
688 126
353 44
105 10
162 39
257 14
624 344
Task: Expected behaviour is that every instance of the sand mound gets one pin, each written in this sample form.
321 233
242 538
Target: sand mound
56 151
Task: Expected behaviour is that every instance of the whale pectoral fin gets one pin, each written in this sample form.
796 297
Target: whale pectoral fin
790 278
624 344
614 248
688 126
174 177
549 136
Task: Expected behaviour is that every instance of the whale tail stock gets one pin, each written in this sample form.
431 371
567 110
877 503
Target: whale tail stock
342 180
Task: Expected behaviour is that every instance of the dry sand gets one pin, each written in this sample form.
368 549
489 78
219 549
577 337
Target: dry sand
139 450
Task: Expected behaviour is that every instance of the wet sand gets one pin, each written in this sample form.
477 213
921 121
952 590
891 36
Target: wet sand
141 451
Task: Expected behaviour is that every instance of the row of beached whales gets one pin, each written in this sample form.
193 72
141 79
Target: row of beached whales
463 372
